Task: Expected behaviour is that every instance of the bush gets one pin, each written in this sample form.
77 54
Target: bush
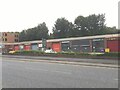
114 54
67 54
34 52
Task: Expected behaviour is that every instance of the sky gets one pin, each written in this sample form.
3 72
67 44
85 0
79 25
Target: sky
18 15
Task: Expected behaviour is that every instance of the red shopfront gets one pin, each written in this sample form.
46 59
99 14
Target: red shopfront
56 46
113 45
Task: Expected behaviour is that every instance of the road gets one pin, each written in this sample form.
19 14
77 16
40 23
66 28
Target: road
24 74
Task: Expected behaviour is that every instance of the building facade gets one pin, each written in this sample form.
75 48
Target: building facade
10 37
99 43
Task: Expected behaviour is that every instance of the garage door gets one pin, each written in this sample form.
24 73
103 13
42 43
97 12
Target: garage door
113 45
27 47
16 48
34 47
56 47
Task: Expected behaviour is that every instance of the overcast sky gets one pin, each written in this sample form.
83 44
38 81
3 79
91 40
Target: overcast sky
17 15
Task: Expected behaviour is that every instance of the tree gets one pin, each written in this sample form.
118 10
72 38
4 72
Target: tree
22 36
62 28
112 30
91 25
96 24
42 31
51 36
36 33
81 26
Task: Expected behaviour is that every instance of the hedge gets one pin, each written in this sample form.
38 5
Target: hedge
67 54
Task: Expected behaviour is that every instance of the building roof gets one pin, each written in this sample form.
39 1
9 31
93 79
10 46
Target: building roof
67 39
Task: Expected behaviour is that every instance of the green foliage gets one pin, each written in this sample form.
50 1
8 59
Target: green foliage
68 54
62 28
36 33
73 54
114 54
112 30
33 52
82 26
91 25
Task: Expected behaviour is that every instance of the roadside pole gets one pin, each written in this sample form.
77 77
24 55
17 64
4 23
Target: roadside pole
43 44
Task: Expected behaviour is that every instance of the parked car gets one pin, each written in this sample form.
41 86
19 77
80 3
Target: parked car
49 51
11 52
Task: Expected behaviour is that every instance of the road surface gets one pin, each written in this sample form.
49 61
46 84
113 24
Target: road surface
25 74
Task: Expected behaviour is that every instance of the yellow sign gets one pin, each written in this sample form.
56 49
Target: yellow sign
107 50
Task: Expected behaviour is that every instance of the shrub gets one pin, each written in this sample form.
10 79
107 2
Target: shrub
67 54
112 54
29 52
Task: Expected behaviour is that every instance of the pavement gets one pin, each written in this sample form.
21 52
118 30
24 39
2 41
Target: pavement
73 61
